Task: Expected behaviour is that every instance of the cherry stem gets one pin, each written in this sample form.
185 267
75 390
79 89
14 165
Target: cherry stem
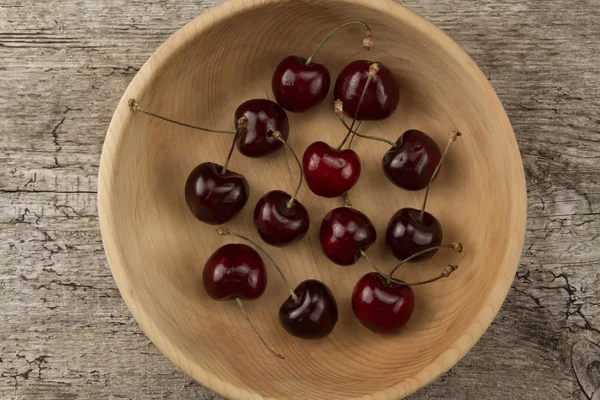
458 247
367 41
451 140
277 135
449 269
242 123
225 232
373 69
135 106
276 354
339 106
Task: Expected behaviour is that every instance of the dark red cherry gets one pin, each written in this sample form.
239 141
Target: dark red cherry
264 118
381 98
297 86
412 163
344 233
315 313
277 224
380 305
234 270
407 234
329 172
214 198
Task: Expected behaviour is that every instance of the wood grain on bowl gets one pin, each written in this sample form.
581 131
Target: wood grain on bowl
157 249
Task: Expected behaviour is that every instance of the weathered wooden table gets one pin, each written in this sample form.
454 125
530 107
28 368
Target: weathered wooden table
65 333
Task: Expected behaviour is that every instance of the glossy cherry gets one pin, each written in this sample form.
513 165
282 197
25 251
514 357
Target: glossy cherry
299 84
380 305
279 218
264 117
345 232
381 97
234 270
278 224
330 172
410 165
384 304
313 315
214 197
407 234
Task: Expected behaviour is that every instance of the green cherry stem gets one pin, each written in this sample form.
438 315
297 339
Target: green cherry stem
241 304
449 269
367 41
135 106
242 123
457 247
225 232
277 135
338 107
373 69
451 140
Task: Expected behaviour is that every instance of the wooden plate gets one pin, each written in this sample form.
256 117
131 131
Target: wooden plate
157 249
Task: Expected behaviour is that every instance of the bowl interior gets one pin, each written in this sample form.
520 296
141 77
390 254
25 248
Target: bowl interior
157 249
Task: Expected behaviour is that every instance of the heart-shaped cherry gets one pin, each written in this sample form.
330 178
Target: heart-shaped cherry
407 233
330 172
381 306
410 165
254 137
313 315
264 117
412 231
345 233
384 304
299 84
310 312
279 218
380 99
236 271
215 197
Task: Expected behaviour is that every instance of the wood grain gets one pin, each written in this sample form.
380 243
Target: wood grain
67 333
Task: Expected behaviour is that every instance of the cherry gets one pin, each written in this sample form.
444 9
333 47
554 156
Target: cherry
407 234
410 165
299 84
264 117
215 197
384 304
254 137
380 306
236 271
279 218
380 99
314 315
310 312
411 231
345 233
330 172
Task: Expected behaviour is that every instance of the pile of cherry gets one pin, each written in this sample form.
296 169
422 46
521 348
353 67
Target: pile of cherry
364 91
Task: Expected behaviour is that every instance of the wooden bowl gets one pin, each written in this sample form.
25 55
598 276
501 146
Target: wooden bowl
157 249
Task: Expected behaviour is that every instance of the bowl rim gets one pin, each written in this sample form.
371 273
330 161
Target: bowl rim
181 38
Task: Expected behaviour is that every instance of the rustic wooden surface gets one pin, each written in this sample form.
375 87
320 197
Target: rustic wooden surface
65 333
